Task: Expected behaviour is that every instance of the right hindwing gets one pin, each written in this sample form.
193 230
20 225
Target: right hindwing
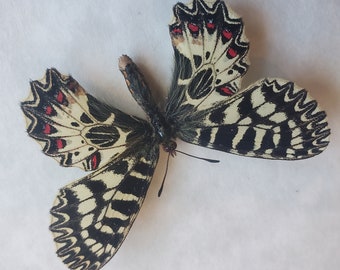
75 128
92 216
272 118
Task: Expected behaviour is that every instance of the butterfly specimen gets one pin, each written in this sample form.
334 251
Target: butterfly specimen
272 118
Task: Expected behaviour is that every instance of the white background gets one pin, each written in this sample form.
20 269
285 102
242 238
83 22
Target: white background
240 214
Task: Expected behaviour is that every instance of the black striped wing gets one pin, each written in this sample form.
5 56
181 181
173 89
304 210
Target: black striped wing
272 118
211 55
92 216
75 128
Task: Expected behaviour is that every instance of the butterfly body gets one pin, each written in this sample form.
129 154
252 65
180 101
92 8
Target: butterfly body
272 118
162 130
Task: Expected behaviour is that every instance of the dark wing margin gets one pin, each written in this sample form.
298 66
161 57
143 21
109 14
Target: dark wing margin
92 216
272 119
75 128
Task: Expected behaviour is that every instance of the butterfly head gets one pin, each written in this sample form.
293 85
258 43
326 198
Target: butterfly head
170 147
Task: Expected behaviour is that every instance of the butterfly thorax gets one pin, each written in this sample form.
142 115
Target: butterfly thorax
164 132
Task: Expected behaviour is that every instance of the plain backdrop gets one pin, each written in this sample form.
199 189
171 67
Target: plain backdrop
242 213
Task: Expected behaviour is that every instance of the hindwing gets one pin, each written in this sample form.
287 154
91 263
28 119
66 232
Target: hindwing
92 216
75 128
273 119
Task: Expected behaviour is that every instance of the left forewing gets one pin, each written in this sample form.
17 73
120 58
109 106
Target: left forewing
91 217
272 119
75 128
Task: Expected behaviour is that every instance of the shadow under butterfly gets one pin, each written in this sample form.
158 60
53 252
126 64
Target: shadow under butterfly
272 118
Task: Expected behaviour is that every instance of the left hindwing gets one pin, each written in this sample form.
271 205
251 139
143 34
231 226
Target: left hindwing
272 119
92 216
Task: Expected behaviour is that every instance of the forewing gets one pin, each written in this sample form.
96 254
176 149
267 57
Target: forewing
91 217
272 119
210 55
75 128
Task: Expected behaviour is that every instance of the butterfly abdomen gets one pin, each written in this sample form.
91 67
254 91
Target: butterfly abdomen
163 131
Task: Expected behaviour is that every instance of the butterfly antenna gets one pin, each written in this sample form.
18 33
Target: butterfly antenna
205 159
166 171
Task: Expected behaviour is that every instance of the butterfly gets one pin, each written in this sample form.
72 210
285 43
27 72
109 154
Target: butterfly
272 118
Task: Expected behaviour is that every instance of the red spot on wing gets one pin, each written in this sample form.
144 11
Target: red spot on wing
211 25
94 162
193 27
226 91
177 31
227 34
231 53
47 129
60 143
48 110
60 97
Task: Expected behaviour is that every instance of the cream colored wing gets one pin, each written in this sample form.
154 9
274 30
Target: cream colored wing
211 54
273 119
75 128
92 216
